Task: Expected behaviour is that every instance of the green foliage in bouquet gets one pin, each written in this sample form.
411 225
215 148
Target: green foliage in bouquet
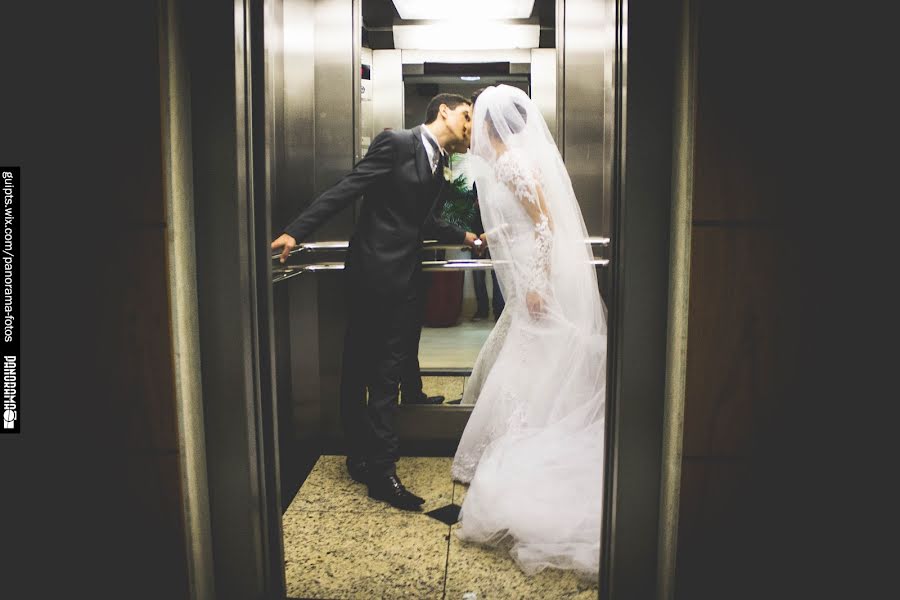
459 208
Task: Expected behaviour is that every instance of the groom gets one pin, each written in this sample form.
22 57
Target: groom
400 179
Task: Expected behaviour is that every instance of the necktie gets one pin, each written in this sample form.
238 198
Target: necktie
437 154
442 162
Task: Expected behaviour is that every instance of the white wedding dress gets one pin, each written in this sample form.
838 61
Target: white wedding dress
532 451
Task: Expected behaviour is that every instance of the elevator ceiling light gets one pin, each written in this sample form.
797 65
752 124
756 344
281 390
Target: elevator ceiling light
438 9
510 55
461 35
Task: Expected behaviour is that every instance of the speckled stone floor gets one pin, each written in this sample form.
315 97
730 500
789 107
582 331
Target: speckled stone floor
339 543
450 387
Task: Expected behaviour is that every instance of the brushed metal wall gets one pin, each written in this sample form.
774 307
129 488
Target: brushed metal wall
296 304
321 106
588 46
297 176
335 104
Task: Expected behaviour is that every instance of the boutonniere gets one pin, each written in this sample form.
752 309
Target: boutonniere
447 174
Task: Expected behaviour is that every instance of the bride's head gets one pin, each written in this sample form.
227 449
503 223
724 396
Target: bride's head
500 113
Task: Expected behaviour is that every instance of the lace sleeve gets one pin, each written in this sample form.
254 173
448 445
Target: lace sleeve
525 183
539 272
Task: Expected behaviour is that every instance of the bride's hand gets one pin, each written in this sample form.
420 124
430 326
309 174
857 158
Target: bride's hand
535 303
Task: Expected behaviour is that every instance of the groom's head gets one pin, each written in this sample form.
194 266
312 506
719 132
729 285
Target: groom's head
451 114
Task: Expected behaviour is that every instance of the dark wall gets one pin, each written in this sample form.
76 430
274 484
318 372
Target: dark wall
732 310
92 485
766 432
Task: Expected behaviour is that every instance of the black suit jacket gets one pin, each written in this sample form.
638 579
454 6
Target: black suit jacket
402 203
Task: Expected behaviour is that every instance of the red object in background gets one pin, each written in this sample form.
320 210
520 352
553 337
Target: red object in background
443 304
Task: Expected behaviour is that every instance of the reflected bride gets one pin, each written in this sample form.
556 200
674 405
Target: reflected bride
532 451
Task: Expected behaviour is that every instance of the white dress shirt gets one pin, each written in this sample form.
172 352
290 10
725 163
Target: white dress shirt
432 157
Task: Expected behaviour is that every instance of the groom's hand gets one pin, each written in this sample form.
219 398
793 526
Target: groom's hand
287 242
479 246
470 240
479 251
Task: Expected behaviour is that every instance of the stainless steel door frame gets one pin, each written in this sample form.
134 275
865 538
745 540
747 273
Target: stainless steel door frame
229 135
637 556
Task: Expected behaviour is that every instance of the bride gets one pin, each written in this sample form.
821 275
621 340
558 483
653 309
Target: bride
532 452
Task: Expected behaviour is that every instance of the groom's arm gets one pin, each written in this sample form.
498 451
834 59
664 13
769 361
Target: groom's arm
438 229
377 162
442 231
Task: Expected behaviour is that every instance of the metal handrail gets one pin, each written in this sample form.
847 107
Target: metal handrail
426 245
479 264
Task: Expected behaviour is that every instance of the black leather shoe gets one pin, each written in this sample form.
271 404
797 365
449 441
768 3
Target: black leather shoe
423 399
358 470
389 489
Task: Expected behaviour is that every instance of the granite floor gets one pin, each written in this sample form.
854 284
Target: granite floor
450 387
339 543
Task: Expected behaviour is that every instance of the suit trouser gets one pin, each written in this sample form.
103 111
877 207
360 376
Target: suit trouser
410 372
379 338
